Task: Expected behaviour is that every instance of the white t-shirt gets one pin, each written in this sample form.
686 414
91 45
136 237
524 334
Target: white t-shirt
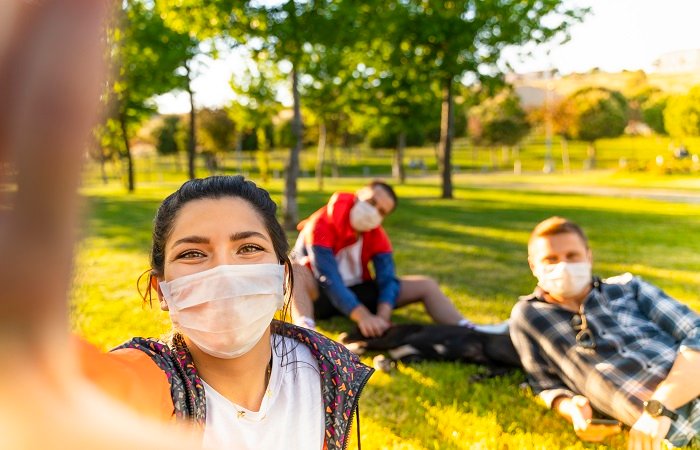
290 416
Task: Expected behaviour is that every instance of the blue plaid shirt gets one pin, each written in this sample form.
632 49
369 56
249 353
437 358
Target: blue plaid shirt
637 330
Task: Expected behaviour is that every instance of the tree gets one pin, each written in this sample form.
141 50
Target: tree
397 89
682 114
216 134
148 55
653 112
254 108
105 145
594 113
498 121
456 38
170 138
166 136
285 29
327 94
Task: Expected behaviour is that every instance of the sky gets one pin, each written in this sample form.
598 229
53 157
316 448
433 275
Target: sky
616 35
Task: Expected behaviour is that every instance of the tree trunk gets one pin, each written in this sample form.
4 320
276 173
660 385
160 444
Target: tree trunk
590 160
446 134
398 170
192 138
320 154
103 171
517 164
263 154
505 156
289 201
335 173
566 164
239 153
127 152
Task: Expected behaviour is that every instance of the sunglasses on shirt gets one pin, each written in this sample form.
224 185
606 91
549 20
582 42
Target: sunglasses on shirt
584 338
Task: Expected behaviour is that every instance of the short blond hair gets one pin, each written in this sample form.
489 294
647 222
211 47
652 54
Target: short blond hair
556 225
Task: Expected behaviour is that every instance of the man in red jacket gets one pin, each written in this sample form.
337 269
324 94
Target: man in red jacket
336 245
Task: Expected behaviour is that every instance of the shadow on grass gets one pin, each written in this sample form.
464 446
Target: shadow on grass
447 411
124 222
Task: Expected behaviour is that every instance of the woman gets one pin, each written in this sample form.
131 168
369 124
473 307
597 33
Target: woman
220 267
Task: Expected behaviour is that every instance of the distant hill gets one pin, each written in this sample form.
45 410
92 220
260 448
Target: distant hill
532 87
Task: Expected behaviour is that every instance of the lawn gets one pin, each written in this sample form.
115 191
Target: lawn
474 245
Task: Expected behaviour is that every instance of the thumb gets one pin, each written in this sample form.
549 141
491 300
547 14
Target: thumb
578 420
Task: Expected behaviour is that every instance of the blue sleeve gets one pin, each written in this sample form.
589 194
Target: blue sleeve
385 273
326 270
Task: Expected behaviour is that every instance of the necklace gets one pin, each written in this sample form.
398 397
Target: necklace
268 372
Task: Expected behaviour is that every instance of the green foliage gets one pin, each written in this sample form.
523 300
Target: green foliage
256 102
107 140
499 120
166 136
456 37
653 112
215 131
207 19
682 114
638 92
596 113
147 57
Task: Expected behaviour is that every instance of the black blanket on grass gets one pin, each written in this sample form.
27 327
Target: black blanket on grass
409 343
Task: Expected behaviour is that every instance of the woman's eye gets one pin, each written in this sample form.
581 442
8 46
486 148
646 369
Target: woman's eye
250 248
190 254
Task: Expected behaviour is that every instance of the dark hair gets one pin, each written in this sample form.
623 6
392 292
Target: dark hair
557 225
214 188
389 190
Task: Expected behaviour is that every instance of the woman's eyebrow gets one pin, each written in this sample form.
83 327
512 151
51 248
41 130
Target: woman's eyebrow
191 240
247 234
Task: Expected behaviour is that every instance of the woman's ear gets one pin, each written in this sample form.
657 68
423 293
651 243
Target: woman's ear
155 285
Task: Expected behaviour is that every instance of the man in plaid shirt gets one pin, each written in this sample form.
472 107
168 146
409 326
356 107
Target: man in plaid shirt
621 346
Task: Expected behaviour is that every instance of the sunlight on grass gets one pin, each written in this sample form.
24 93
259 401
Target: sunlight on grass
474 246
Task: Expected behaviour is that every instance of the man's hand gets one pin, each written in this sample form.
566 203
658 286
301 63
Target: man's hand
370 325
648 432
577 409
384 311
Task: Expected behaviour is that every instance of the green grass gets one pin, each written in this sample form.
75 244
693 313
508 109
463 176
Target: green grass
474 245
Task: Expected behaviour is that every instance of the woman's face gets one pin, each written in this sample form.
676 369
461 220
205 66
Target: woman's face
211 232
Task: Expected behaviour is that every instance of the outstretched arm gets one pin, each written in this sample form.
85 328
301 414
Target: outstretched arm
50 71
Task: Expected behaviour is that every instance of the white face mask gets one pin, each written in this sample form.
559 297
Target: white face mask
226 310
564 280
364 217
